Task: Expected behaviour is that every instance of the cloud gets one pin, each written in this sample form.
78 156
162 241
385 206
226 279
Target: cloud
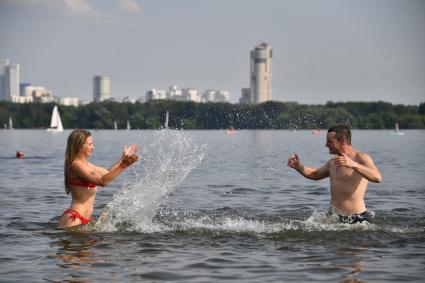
76 7
41 3
130 6
81 7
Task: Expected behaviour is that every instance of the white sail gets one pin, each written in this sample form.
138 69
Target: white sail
166 120
397 130
128 125
115 125
10 123
54 119
55 122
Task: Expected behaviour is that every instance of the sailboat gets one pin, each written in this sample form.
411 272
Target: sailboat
56 122
10 123
128 125
397 131
166 120
115 125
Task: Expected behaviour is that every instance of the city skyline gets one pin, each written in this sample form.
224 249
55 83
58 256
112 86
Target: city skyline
326 50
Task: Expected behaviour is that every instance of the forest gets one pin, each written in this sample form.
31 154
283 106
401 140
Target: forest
191 115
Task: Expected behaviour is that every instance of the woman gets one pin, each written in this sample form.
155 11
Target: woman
82 177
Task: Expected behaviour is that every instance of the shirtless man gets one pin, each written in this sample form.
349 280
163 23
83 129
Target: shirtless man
349 173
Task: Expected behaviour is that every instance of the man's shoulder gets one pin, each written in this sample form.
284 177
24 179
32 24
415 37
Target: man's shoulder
362 156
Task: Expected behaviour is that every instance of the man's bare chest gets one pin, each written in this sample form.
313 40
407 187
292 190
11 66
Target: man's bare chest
340 173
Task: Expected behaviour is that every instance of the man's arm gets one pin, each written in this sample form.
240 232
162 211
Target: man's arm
309 172
366 168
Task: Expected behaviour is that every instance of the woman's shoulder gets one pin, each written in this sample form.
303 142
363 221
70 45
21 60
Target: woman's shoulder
78 164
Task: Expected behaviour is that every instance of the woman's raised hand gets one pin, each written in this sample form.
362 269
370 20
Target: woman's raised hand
131 150
129 155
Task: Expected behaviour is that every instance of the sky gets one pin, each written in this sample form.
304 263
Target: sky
323 50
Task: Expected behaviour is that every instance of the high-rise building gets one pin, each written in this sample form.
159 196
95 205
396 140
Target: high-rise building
3 70
260 75
9 80
14 80
101 85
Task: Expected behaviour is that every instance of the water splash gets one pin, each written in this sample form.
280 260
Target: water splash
167 161
227 220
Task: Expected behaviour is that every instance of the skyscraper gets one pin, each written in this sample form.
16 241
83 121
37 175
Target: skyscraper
9 79
3 70
101 86
260 75
13 79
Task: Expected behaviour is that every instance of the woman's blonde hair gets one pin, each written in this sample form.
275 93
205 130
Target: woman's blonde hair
76 140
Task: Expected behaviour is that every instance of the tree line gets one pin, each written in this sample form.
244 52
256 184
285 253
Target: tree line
191 115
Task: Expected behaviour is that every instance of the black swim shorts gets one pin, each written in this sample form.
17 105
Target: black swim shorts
355 218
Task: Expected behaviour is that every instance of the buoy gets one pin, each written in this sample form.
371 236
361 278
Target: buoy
20 154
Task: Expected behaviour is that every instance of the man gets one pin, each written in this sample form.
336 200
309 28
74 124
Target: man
349 173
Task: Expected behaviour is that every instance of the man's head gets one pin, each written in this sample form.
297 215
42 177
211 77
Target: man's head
337 137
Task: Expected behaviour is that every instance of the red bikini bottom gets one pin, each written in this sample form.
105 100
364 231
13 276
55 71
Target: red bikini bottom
75 215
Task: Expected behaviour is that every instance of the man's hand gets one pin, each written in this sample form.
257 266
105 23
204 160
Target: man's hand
345 161
294 161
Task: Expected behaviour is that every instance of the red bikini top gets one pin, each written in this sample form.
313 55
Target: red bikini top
82 183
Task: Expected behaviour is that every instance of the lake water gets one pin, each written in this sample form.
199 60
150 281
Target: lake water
206 206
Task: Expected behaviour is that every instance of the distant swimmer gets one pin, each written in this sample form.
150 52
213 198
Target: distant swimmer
82 177
230 131
349 173
20 154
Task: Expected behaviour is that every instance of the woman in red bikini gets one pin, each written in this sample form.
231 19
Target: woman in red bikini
82 177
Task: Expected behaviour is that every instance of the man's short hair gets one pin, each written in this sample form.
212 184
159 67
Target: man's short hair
341 131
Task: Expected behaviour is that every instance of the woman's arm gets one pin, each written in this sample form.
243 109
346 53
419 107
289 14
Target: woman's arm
101 176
